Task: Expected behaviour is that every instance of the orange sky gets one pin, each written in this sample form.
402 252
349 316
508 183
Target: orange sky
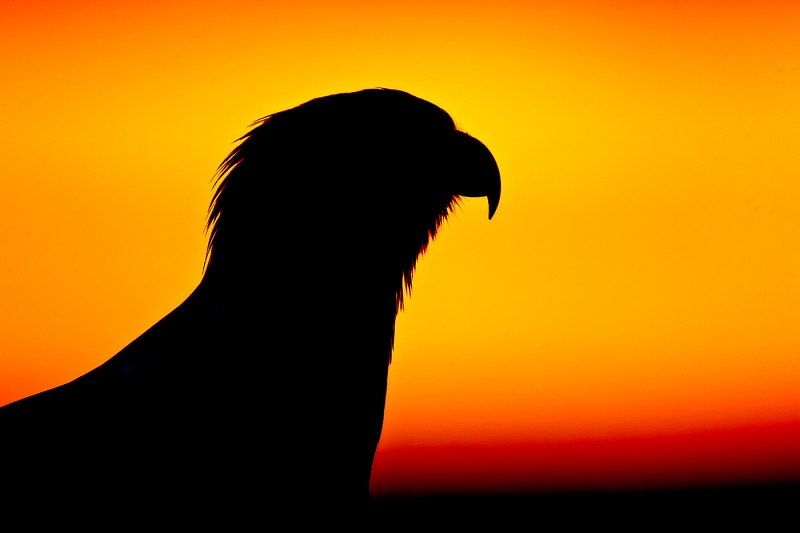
641 278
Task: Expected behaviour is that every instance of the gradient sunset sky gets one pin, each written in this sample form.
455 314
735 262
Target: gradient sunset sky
629 318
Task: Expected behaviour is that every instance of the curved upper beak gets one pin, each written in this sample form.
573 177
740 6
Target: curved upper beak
476 171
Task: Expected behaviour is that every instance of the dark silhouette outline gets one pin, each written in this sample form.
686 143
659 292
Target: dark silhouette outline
267 385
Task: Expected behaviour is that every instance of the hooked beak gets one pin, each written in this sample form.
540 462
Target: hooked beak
476 172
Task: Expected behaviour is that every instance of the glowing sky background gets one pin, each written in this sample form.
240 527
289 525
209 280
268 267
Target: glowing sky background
629 318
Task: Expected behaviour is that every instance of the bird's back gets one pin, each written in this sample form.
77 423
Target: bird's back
210 408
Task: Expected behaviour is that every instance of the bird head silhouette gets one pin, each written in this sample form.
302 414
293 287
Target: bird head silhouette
367 177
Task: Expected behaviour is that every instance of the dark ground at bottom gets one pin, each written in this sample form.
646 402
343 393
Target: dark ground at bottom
774 506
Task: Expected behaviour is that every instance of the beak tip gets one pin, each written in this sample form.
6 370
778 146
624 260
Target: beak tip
494 200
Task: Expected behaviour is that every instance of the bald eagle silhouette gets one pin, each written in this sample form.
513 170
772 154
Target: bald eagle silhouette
267 385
